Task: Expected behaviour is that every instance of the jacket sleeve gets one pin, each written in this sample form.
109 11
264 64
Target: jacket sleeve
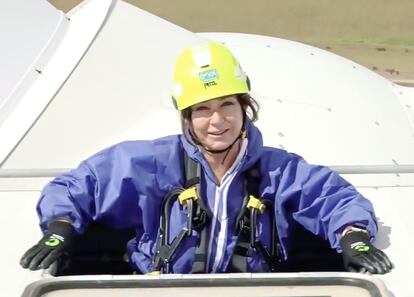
106 187
322 201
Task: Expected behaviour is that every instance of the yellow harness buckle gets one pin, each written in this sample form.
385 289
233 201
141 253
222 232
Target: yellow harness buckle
190 193
153 273
255 203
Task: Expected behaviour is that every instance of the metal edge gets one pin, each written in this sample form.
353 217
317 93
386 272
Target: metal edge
373 286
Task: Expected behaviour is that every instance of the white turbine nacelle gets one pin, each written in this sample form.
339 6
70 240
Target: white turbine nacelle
74 84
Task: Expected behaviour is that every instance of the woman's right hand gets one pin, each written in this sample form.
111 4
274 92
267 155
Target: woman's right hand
51 247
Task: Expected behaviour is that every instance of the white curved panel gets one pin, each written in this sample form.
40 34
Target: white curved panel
120 90
322 106
48 70
25 28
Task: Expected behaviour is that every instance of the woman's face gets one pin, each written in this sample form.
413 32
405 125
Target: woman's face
217 123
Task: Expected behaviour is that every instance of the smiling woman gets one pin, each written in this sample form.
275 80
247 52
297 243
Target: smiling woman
229 202
217 126
111 82
207 88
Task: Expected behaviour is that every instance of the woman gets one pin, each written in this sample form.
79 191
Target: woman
213 199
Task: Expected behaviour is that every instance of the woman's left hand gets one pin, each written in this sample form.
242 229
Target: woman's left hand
360 255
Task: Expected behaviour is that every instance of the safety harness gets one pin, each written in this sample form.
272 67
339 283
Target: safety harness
199 216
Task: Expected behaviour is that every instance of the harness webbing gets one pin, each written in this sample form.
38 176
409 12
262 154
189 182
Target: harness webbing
246 224
199 216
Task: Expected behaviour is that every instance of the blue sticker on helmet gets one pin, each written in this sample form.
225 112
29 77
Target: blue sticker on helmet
209 75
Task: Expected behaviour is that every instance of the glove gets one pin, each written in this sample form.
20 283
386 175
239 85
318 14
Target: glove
52 246
360 255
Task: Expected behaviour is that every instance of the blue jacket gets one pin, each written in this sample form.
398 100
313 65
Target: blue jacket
124 186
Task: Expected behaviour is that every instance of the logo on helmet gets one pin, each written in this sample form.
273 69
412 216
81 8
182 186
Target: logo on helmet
209 77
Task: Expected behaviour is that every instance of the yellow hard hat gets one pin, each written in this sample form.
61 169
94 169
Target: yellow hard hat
206 72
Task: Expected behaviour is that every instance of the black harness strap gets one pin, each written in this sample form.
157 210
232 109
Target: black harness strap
165 250
246 225
198 216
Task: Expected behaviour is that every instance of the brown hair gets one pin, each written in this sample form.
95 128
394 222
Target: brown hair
247 102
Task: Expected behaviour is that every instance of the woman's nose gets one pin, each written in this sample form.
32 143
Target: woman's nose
216 117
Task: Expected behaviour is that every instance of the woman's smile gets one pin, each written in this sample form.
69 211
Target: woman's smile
217 123
218 133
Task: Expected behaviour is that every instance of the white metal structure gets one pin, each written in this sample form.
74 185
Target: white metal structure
231 285
74 84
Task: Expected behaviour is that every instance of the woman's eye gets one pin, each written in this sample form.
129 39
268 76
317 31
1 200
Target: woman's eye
201 108
227 103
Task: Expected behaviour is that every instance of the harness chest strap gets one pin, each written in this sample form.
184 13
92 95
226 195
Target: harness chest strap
198 217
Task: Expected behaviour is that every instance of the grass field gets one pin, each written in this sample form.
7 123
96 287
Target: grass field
378 34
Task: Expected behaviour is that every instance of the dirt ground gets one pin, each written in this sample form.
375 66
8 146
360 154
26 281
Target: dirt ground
375 33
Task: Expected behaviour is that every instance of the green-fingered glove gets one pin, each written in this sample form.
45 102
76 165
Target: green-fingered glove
360 255
52 246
